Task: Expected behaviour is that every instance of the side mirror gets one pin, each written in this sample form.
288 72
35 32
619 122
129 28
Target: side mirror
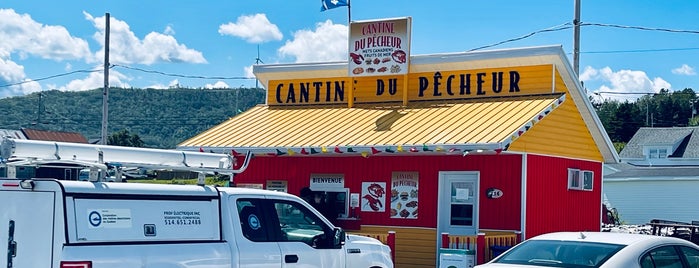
338 238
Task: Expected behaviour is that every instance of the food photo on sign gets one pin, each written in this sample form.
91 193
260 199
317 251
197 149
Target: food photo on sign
373 196
404 189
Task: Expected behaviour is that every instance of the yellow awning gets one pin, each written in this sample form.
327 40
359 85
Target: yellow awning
469 125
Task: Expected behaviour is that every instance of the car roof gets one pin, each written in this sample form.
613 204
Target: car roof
609 238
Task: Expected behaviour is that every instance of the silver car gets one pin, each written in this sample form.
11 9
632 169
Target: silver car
599 249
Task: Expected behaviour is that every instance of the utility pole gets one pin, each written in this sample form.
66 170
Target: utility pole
576 39
105 91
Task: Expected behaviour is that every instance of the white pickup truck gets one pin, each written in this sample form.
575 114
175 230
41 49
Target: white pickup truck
80 224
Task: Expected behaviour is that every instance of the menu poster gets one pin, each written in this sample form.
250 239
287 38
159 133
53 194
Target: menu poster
404 186
379 47
373 196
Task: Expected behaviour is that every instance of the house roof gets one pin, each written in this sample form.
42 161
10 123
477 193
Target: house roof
684 140
627 171
47 135
15 134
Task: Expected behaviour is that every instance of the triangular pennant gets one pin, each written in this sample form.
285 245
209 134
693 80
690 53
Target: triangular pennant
400 148
498 151
374 151
425 148
439 149
303 151
350 150
324 149
365 154
290 152
313 151
337 150
453 150
413 149
280 152
389 150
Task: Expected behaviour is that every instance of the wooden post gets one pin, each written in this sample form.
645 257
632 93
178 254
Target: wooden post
480 248
391 241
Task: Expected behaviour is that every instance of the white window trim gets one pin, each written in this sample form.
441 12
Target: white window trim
576 179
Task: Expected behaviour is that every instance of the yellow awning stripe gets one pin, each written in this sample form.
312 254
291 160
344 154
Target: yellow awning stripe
493 122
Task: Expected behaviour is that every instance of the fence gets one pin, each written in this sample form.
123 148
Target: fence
487 246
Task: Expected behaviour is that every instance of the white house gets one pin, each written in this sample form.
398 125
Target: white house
658 177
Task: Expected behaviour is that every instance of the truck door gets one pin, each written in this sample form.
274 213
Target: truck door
256 245
305 240
28 220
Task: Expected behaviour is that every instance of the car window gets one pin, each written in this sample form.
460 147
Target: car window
662 257
560 253
299 224
252 220
692 256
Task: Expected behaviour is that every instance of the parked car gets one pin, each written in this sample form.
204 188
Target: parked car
599 249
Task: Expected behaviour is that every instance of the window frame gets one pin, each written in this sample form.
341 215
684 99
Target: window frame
581 180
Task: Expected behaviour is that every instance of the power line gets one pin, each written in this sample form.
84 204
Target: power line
641 50
186 76
52 76
563 26
640 28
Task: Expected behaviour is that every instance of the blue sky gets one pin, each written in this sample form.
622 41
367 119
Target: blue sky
219 39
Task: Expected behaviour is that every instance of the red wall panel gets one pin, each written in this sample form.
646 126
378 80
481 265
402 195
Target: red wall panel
551 206
501 171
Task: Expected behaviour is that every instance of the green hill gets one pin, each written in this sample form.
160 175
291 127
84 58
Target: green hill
162 118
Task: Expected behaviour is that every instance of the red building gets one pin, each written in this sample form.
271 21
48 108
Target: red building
487 142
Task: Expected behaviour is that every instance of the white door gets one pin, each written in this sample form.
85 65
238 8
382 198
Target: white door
457 212
26 228
305 240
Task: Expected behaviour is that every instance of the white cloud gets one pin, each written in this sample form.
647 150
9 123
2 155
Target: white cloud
13 73
126 48
327 43
96 80
169 30
684 70
248 72
252 28
29 37
218 84
619 84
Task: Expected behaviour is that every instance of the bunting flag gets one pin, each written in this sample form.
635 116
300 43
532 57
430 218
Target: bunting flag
425 148
374 151
413 149
337 150
303 151
389 150
323 149
350 150
313 151
330 4
279 152
365 154
201 150
400 148
290 152
454 150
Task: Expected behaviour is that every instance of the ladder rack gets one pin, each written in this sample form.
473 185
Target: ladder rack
16 152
